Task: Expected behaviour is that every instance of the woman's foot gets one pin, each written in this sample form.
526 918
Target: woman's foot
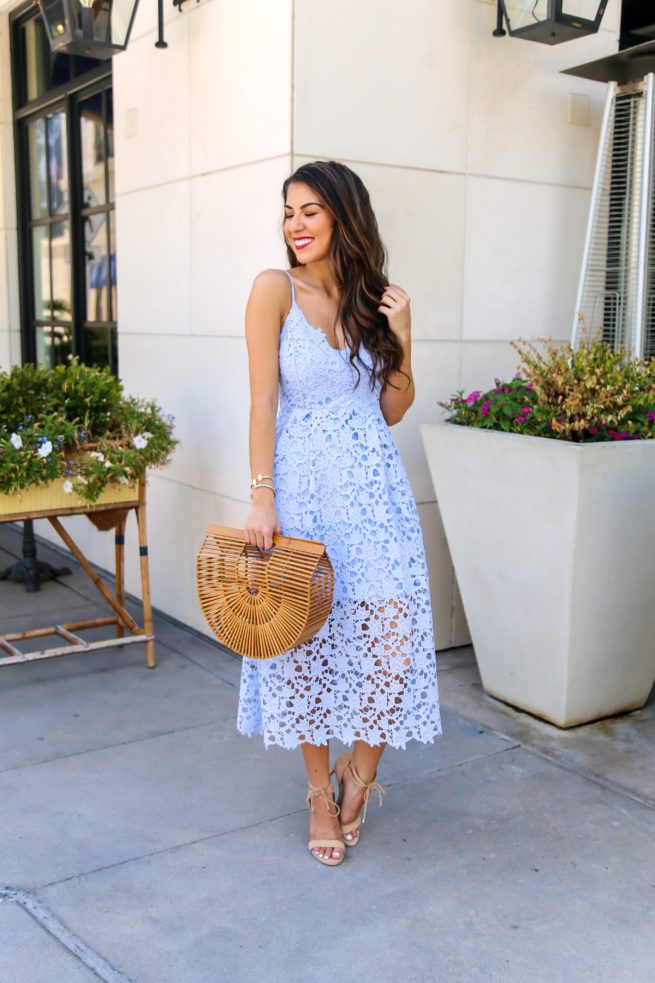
355 787
351 802
325 839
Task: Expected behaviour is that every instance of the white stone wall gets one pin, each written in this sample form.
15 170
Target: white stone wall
480 183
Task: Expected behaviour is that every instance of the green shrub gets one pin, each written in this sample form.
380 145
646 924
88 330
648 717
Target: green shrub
592 393
74 422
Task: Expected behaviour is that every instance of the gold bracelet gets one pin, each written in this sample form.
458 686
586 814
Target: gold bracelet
261 484
261 477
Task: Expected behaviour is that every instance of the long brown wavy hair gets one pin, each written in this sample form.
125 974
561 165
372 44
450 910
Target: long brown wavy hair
359 261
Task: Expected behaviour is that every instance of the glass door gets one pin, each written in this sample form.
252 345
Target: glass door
49 237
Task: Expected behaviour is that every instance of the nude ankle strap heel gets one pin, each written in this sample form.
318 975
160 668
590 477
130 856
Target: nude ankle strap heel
345 761
315 792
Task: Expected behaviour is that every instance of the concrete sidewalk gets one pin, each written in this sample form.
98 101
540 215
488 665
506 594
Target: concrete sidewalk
144 840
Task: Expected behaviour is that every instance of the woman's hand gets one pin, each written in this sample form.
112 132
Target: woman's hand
398 394
262 521
395 305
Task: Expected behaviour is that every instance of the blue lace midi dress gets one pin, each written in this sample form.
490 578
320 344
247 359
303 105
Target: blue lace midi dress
370 672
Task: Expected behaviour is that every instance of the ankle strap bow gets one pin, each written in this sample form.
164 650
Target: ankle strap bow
368 787
323 793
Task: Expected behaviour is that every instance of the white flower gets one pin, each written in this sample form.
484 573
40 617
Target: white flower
45 449
146 434
140 442
123 480
97 455
16 440
68 487
107 464
83 480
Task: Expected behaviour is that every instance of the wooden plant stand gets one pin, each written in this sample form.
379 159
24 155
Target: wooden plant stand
49 501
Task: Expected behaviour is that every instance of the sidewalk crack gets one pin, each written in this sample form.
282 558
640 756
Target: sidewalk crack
57 930
216 835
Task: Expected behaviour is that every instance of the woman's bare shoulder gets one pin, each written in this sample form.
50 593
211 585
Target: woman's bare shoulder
270 299
271 285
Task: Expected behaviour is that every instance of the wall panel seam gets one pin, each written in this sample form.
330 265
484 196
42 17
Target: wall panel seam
453 173
201 174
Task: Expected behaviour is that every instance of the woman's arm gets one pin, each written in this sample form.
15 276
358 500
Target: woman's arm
394 402
264 313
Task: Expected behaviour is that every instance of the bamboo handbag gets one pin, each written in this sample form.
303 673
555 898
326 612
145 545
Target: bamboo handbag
262 603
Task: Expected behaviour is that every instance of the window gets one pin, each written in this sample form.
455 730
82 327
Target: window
66 202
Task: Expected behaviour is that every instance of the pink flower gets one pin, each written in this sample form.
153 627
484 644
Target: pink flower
520 419
593 429
529 387
526 410
651 416
484 409
471 398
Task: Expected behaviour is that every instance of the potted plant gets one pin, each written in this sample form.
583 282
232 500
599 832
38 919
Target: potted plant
545 486
69 436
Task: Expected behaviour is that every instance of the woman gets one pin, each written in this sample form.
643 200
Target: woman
330 339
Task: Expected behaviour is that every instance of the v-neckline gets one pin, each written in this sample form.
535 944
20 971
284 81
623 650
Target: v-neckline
313 327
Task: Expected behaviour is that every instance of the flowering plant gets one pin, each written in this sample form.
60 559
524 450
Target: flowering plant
592 393
73 422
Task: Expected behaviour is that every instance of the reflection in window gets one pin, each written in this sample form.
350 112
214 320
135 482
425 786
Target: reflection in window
110 143
41 271
113 306
54 344
38 166
61 271
58 159
92 139
97 302
100 347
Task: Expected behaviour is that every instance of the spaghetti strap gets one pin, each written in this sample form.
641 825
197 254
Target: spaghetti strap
293 292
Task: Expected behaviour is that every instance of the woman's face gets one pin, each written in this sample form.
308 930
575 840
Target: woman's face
307 224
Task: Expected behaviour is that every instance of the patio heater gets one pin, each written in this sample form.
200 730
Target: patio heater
616 292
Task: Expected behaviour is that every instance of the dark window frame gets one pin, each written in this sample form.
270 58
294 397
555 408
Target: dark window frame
65 98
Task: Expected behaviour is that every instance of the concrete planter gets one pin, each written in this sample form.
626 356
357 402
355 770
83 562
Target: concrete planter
554 551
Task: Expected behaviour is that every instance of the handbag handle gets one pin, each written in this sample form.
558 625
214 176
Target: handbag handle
309 546
276 565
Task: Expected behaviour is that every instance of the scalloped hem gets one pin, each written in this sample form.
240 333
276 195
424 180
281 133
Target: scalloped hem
291 742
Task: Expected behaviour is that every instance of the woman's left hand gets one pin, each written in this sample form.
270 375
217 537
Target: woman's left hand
395 305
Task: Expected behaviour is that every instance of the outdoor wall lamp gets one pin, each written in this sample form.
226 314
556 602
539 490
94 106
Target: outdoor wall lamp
550 21
95 28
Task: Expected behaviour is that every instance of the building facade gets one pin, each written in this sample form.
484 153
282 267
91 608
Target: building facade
478 153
